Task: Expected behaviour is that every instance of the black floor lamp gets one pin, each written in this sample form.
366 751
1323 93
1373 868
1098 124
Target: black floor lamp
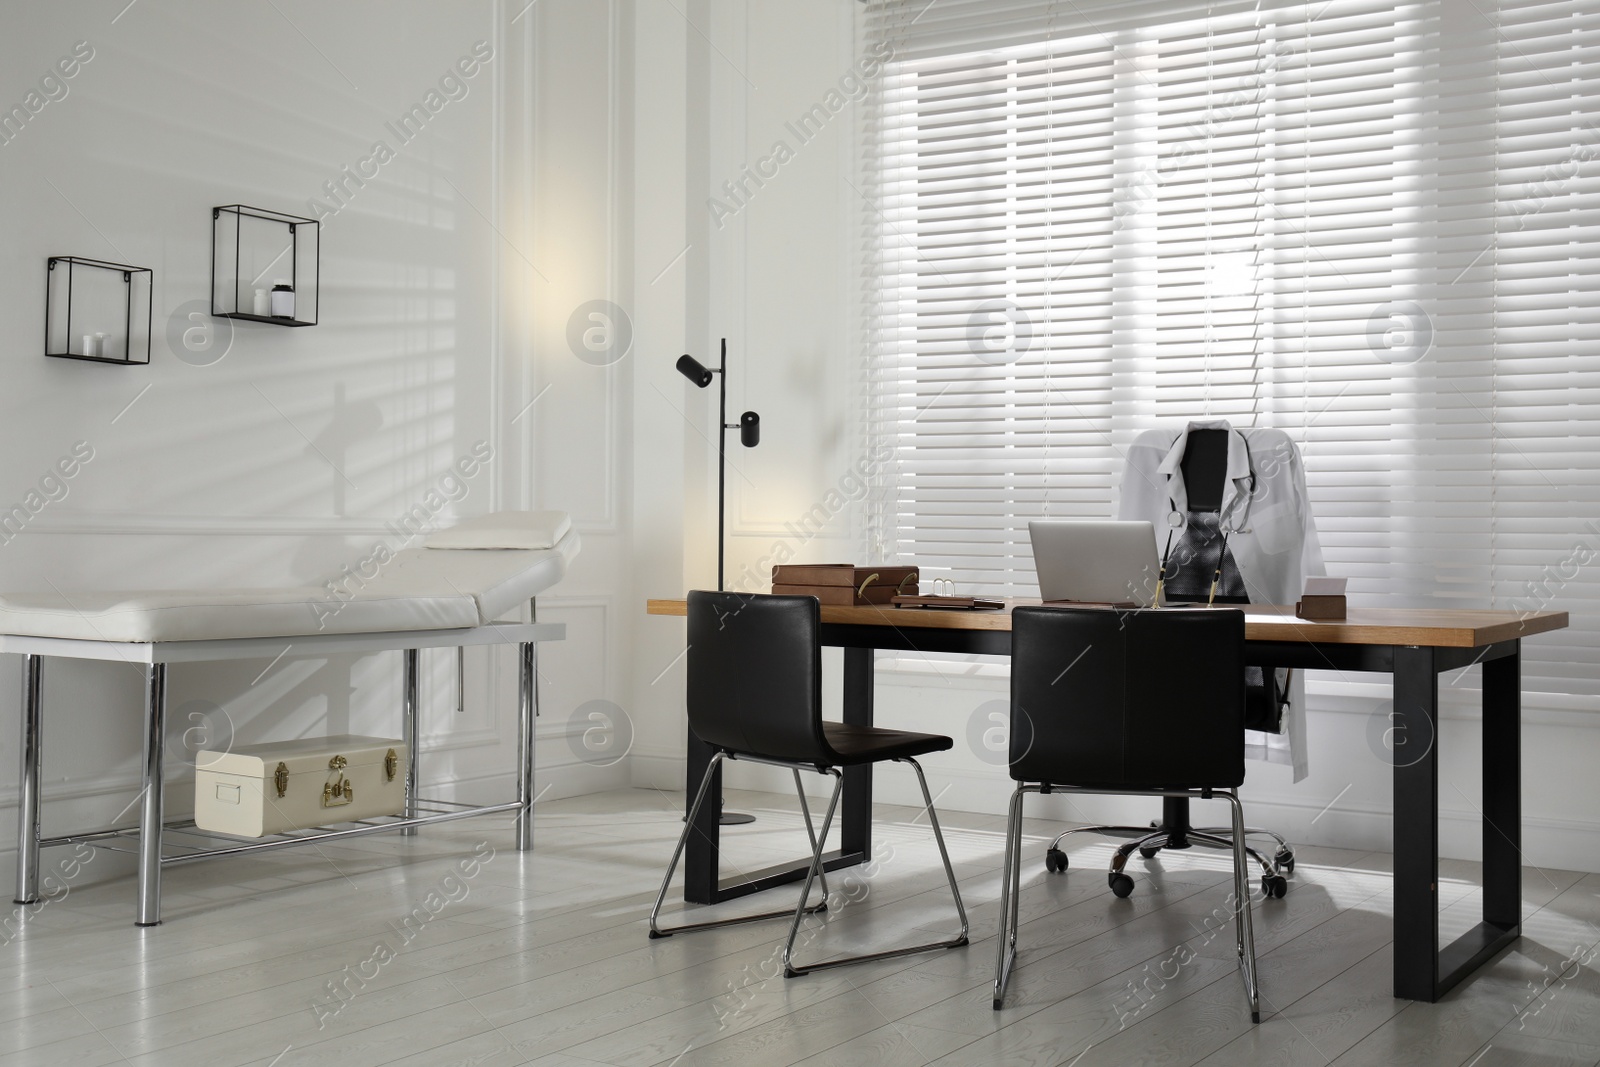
749 427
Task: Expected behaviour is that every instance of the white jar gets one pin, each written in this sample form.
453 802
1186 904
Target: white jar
282 300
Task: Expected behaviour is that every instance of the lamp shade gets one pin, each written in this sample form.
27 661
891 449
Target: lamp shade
693 370
749 429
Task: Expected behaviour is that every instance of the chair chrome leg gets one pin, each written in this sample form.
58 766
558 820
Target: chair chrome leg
1242 913
805 811
790 970
944 854
677 853
1010 891
656 929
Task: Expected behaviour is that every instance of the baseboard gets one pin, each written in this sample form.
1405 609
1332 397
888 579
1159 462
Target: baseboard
1566 844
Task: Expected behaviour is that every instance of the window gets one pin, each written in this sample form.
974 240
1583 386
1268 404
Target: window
1371 225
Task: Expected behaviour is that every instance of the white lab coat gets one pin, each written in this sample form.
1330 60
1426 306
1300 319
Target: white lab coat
1273 538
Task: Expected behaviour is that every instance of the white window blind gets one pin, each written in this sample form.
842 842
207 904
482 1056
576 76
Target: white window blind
1367 224
1545 393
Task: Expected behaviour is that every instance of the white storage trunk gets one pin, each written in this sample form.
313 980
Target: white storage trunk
265 789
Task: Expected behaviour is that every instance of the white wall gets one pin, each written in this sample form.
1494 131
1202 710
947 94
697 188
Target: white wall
770 269
447 283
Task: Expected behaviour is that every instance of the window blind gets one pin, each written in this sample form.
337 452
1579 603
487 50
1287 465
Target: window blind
1545 391
1363 223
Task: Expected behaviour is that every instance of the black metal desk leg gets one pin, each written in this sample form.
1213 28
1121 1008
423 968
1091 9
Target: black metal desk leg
1502 790
1415 751
855 820
701 856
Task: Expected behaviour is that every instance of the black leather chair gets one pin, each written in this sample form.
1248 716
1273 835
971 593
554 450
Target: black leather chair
1093 710
755 694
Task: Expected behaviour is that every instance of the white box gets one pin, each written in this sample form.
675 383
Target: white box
258 790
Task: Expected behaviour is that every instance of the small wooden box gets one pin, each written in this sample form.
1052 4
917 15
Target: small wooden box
258 790
845 583
1321 607
1323 599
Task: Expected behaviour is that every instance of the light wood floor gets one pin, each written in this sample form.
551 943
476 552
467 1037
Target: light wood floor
543 959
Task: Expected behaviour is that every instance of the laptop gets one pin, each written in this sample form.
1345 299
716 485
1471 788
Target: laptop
1096 562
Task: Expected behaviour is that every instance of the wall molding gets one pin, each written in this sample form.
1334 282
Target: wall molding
63 521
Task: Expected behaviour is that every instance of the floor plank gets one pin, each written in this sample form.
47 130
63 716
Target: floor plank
541 959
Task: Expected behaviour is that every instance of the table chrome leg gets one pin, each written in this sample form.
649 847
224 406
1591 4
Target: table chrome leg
461 679
411 705
28 800
528 708
155 715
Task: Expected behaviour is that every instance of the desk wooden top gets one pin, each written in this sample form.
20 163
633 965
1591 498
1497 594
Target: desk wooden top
1432 627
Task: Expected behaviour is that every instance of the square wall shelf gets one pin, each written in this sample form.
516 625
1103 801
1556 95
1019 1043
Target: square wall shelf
255 248
97 311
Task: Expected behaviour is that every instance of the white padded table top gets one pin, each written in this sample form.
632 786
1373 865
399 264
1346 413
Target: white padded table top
499 580
419 589
206 614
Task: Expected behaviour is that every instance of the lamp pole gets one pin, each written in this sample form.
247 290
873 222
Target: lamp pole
722 460
749 427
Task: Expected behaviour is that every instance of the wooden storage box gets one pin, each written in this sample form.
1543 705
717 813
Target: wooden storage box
845 583
256 790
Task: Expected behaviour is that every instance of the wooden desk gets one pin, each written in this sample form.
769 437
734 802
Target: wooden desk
1413 645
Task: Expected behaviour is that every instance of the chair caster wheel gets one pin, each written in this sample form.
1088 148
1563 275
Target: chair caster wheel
1274 885
1120 883
1149 852
1285 860
1055 861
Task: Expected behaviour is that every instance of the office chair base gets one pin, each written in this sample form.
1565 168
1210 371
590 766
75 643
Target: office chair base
1150 842
1283 858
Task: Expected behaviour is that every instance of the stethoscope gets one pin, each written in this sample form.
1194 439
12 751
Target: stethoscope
1177 520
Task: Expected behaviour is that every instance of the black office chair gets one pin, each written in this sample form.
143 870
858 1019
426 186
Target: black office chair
755 693
1093 711
1201 554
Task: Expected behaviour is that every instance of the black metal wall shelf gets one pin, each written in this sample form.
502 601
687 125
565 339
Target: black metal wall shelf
250 245
60 288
